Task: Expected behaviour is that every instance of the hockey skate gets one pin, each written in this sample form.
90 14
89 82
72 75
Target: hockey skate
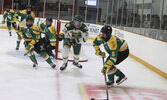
53 65
17 47
77 64
121 78
63 67
110 83
35 64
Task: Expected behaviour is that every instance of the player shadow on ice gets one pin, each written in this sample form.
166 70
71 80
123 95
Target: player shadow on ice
74 72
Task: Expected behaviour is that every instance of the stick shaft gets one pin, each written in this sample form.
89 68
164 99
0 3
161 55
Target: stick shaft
105 79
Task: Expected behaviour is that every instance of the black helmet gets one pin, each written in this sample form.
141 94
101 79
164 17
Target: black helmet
106 29
50 20
29 21
29 7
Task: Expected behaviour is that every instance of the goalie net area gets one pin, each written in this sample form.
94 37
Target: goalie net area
59 46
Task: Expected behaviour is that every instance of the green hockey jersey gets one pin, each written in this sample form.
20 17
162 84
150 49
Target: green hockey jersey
50 33
112 46
9 15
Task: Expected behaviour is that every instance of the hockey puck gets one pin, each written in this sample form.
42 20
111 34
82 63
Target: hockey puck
92 99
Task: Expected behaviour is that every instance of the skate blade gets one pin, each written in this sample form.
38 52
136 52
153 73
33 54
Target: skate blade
124 79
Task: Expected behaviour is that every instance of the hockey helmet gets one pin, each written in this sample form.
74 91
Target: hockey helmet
29 7
7 8
78 21
29 21
78 18
106 32
49 21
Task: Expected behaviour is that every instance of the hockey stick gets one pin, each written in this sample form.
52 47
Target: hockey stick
105 79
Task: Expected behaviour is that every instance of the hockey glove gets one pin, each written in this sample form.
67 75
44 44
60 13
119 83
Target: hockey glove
100 53
3 22
29 46
103 71
60 37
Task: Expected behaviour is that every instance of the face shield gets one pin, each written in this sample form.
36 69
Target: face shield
77 24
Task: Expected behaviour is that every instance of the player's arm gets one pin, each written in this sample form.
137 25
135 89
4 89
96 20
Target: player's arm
51 34
4 17
33 15
96 43
85 35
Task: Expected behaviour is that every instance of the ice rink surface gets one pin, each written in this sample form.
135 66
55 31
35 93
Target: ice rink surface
19 81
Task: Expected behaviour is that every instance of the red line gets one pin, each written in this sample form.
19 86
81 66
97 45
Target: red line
130 96
58 85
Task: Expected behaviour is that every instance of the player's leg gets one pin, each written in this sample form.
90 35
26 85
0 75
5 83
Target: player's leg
48 48
30 53
121 57
65 55
42 52
9 28
77 49
18 36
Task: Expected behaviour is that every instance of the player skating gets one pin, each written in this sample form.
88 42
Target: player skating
74 34
23 14
118 51
49 40
8 14
31 37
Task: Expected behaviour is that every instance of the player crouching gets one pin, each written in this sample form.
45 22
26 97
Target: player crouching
118 51
31 37
49 40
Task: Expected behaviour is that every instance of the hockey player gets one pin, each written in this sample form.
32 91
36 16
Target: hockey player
74 34
50 36
118 51
23 14
31 37
9 15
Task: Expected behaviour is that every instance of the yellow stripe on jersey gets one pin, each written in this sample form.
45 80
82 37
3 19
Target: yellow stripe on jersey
112 43
123 47
51 28
108 64
112 71
96 47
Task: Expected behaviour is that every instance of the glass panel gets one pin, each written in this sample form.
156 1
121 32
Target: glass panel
163 27
91 13
66 8
51 8
82 9
38 7
102 11
153 19
7 3
1 6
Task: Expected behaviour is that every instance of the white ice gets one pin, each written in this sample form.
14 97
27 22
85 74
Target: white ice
19 81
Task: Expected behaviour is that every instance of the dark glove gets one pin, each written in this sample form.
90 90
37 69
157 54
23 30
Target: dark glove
60 37
103 71
100 53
